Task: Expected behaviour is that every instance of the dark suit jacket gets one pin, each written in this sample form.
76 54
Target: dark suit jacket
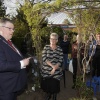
12 77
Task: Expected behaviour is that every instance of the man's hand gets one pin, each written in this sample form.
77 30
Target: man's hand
26 61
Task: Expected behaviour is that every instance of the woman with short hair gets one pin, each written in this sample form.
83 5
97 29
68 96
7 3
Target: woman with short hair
51 71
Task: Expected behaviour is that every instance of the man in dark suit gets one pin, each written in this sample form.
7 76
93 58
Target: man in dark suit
13 77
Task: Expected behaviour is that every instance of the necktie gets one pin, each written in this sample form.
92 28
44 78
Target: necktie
11 45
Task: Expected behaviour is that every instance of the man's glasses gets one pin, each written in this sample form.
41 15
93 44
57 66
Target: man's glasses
9 28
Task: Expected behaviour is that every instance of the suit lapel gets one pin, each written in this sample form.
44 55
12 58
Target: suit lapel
5 42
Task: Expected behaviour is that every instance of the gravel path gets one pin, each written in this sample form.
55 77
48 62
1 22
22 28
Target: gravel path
65 93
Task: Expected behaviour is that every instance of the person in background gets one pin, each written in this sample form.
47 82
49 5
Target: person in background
51 71
64 44
75 59
91 43
96 58
13 77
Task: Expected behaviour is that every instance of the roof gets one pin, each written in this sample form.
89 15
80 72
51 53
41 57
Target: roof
58 18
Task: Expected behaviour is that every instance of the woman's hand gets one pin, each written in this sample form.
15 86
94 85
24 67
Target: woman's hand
53 71
55 67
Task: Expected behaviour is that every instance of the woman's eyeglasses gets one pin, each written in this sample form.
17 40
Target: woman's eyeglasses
52 39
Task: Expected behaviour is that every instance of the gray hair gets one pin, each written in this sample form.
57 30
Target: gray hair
4 21
54 34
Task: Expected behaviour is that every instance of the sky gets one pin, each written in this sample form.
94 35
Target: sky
13 5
